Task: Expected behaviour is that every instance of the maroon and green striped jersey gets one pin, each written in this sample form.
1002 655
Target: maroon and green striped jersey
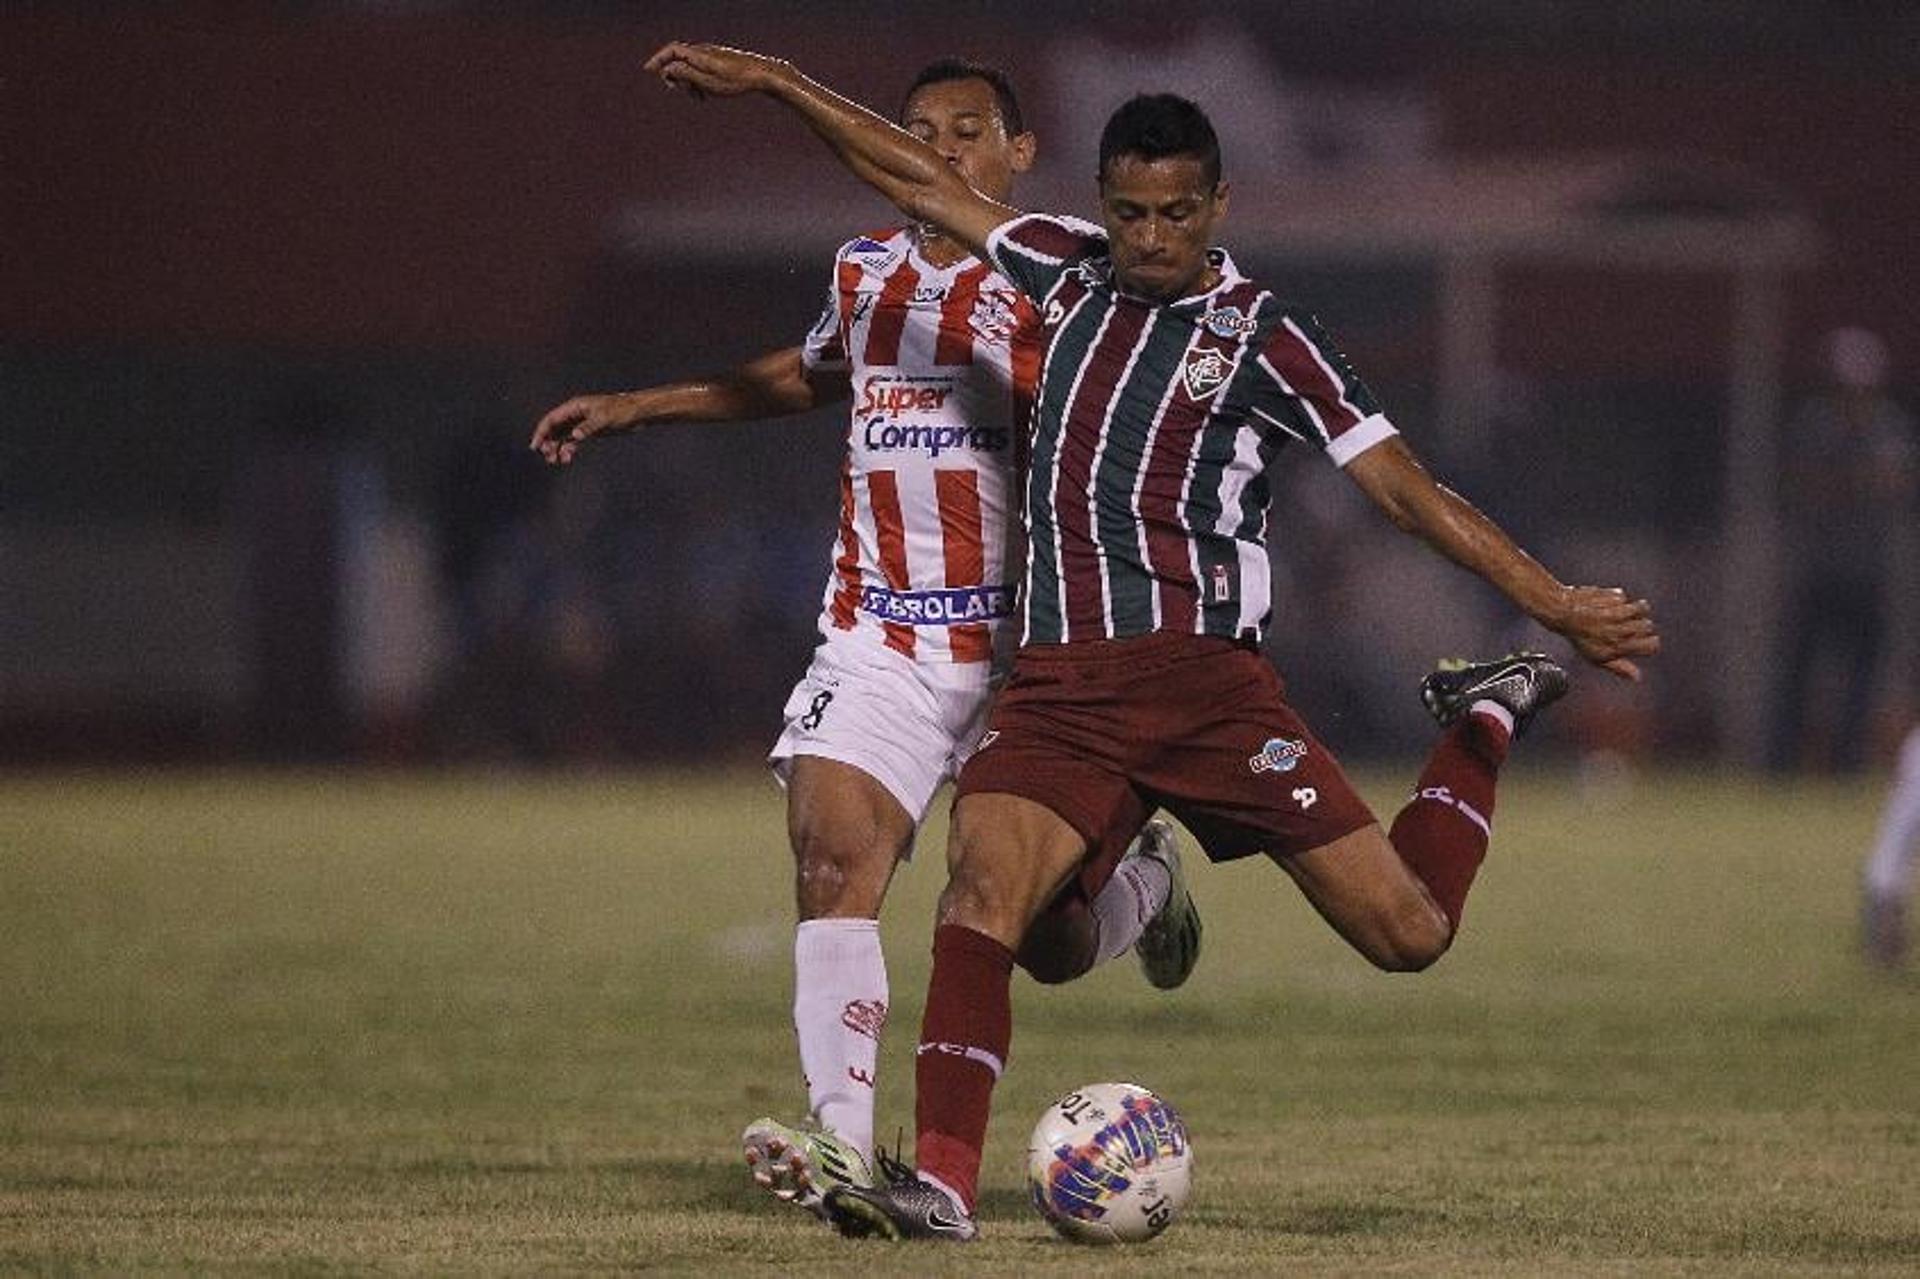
1153 428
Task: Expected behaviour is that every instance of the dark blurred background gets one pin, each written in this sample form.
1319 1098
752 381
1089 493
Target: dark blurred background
285 285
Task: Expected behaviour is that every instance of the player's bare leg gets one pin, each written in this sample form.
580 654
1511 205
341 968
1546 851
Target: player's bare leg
1398 898
1362 887
1007 857
848 834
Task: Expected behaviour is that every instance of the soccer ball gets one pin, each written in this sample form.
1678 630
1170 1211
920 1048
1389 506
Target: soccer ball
1109 1163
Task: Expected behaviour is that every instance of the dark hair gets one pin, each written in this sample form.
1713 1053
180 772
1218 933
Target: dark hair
1156 125
963 69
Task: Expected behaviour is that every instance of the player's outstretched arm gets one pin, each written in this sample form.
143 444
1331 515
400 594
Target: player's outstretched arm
775 385
900 166
1603 623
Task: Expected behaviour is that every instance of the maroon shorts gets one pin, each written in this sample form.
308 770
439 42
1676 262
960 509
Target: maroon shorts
1103 732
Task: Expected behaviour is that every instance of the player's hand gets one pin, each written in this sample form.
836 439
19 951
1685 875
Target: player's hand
1607 628
559 435
715 69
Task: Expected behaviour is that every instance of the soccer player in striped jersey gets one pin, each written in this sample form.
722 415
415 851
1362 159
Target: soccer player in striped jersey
1169 384
937 353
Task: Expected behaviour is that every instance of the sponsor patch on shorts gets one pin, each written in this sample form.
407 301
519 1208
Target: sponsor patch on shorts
1279 755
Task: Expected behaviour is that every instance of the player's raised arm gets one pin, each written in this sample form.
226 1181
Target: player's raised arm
777 384
1604 624
906 170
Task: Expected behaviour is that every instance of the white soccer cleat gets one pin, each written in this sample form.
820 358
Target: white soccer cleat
800 1165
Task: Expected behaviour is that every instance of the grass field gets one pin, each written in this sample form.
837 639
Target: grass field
514 1023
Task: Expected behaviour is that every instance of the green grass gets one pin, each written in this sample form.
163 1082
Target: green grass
514 1023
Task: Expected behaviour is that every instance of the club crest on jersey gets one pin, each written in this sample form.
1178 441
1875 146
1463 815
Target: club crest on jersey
1229 322
995 314
1279 755
1204 371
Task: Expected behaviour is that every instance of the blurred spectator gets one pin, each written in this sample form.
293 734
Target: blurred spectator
1846 495
620 615
537 676
292 517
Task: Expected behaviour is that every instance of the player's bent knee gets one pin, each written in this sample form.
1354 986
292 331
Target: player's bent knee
1412 942
833 877
987 904
969 900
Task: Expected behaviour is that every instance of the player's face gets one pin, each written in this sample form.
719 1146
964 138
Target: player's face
1159 216
961 120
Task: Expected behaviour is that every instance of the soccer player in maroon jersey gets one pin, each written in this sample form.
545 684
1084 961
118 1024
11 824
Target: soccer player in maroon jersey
936 353
1169 383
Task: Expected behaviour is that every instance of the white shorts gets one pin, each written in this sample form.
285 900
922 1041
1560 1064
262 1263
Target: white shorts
908 725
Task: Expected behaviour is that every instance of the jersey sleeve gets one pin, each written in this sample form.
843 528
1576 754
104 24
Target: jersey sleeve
1035 249
1306 388
825 349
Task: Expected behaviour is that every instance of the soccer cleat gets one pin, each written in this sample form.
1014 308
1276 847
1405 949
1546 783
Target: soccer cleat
904 1207
1524 683
1169 946
800 1166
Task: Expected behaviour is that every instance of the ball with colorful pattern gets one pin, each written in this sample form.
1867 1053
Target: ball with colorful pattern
1110 1163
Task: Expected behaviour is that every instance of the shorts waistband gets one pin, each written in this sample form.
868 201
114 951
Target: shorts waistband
1156 648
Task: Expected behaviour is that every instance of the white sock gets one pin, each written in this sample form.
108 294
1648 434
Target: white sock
1889 871
1128 901
839 1010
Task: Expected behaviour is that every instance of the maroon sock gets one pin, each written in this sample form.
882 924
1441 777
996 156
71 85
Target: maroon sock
963 1048
1442 832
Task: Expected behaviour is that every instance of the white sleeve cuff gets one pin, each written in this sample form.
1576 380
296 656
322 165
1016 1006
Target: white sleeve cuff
1360 437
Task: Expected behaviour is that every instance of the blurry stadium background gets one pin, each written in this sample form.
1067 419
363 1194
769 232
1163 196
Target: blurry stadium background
286 284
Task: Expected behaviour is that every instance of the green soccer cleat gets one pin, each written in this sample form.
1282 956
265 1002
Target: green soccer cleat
904 1207
1524 683
800 1165
1169 946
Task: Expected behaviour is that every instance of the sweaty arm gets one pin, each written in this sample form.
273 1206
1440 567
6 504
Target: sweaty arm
1602 623
777 384
905 170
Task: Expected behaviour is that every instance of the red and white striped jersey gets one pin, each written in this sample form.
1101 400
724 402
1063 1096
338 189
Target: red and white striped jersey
942 362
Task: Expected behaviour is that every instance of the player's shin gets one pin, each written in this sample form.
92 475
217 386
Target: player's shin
963 1048
1443 831
839 1009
